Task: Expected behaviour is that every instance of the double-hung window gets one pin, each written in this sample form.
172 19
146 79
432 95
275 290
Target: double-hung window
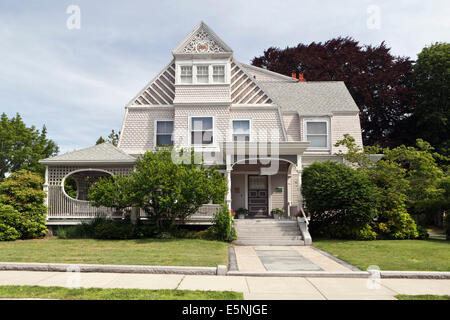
202 74
186 74
241 130
317 134
218 74
164 133
202 132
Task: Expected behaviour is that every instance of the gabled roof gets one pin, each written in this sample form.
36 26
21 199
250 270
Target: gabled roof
160 90
202 40
264 75
101 153
311 98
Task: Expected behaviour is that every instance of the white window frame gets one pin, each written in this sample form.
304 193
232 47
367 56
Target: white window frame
305 133
224 73
193 73
210 73
214 142
249 128
156 128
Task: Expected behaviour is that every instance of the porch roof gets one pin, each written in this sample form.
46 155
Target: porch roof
104 153
250 148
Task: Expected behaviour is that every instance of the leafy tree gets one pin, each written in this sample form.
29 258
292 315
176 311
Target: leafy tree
113 138
112 192
378 81
21 147
431 84
22 190
167 191
342 201
409 179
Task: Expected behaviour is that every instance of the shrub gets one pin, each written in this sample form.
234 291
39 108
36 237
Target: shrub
22 190
10 219
223 226
342 201
110 229
422 233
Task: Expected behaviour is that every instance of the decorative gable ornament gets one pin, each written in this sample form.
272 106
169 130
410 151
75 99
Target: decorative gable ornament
201 42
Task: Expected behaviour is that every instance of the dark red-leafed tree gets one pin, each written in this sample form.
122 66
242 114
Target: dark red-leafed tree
378 81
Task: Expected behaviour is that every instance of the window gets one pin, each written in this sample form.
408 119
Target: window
241 130
218 74
186 74
164 132
202 74
317 134
201 130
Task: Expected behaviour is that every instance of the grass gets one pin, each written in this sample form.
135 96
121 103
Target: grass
421 297
113 294
176 252
415 255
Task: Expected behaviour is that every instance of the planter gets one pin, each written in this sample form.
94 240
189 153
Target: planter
276 216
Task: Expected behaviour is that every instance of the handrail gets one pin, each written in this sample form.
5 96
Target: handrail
304 215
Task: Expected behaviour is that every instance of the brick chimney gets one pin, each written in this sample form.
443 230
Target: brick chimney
294 76
301 78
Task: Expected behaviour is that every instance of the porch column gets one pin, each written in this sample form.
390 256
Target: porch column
299 172
289 190
46 187
228 197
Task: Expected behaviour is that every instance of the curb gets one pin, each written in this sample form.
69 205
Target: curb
59 267
354 274
232 262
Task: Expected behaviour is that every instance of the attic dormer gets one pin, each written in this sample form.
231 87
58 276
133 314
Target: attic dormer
202 58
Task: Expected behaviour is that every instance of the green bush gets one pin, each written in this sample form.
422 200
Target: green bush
241 212
342 201
422 233
22 190
223 226
10 221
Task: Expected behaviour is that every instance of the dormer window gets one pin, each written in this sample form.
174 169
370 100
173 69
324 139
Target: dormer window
202 74
186 74
316 131
218 74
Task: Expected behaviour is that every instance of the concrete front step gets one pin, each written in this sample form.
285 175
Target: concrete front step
270 242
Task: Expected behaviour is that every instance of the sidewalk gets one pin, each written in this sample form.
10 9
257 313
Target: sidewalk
271 288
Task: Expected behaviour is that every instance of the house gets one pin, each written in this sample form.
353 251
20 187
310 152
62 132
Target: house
260 127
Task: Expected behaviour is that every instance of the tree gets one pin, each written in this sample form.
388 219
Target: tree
378 81
431 83
21 147
166 190
113 138
22 191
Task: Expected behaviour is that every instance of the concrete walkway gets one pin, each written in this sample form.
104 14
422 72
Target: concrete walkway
271 288
285 258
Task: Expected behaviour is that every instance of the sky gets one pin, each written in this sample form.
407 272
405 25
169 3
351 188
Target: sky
77 81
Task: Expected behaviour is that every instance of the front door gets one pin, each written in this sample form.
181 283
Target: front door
257 195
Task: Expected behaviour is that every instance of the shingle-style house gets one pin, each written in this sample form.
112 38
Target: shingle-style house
260 127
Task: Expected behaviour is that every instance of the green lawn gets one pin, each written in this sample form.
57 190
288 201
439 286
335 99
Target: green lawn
418 255
178 252
113 294
421 297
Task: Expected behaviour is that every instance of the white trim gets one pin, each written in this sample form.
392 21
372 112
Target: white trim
155 127
80 170
194 64
214 144
250 135
246 190
328 128
269 195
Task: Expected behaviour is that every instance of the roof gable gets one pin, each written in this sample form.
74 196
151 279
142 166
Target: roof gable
202 40
159 91
101 153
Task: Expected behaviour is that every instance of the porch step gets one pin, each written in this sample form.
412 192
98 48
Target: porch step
268 232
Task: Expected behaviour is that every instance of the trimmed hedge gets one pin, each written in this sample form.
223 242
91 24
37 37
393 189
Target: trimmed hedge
342 201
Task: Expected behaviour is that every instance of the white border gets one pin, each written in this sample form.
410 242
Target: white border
317 119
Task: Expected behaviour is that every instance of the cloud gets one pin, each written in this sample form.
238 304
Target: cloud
78 81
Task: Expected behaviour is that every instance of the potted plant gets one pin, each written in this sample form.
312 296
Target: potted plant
241 213
276 213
